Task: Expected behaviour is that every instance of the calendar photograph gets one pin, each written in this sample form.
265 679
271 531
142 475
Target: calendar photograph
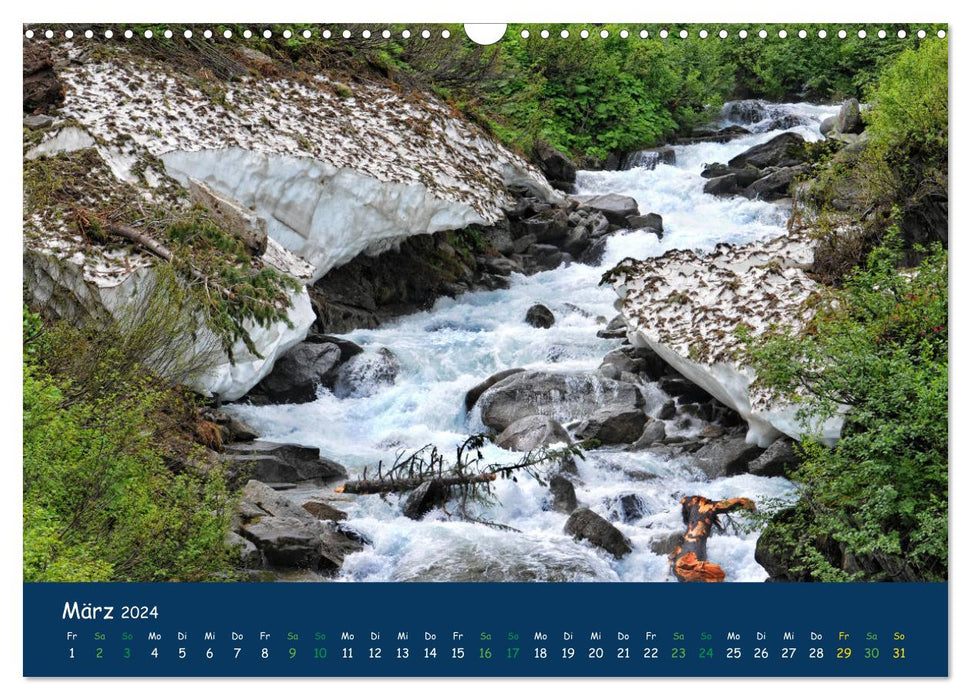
341 305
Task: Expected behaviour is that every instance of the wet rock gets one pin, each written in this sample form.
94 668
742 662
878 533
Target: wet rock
775 185
745 111
647 222
663 545
781 151
715 170
430 495
551 226
475 392
532 432
259 500
628 507
584 524
324 511
231 428
827 125
271 462
849 120
650 158
778 459
613 426
554 164
722 185
296 375
615 207
594 254
725 457
544 257
653 433
347 347
667 411
617 328
539 316
564 494
366 373
562 396
686 391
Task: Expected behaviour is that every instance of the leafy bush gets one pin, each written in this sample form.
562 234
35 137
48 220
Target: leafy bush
112 490
876 352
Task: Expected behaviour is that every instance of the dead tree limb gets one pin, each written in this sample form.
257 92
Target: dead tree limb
369 486
689 561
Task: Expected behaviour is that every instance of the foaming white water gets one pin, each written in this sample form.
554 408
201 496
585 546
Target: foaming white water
446 351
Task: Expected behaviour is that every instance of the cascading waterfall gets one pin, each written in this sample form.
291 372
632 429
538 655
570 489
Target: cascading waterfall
447 350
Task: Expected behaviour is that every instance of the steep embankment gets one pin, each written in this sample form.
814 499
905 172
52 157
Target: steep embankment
332 170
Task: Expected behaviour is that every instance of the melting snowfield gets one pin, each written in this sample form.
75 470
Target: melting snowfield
446 351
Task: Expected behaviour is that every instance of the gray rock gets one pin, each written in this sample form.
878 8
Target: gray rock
532 432
615 207
722 185
233 429
248 555
564 494
296 375
613 426
685 390
475 392
38 121
663 545
231 216
781 151
323 511
551 226
715 170
725 456
546 257
554 164
654 432
539 316
365 374
650 158
745 111
430 495
827 125
774 185
647 222
562 396
499 238
594 254
584 524
271 462
849 120
616 328
259 500
778 459
286 541
667 411
347 347
627 507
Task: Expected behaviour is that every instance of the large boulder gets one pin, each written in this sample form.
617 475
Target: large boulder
726 184
615 207
778 459
557 168
613 426
296 375
323 511
584 524
776 184
726 457
849 120
272 462
475 392
654 432
532 432
288 542
650 158
646 222
366 373
539 316
562 396
827 125
782 151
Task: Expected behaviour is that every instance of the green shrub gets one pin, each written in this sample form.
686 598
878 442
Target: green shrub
876 350
111 490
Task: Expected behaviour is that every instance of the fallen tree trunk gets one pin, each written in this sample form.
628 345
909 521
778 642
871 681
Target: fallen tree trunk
689 561
368 486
